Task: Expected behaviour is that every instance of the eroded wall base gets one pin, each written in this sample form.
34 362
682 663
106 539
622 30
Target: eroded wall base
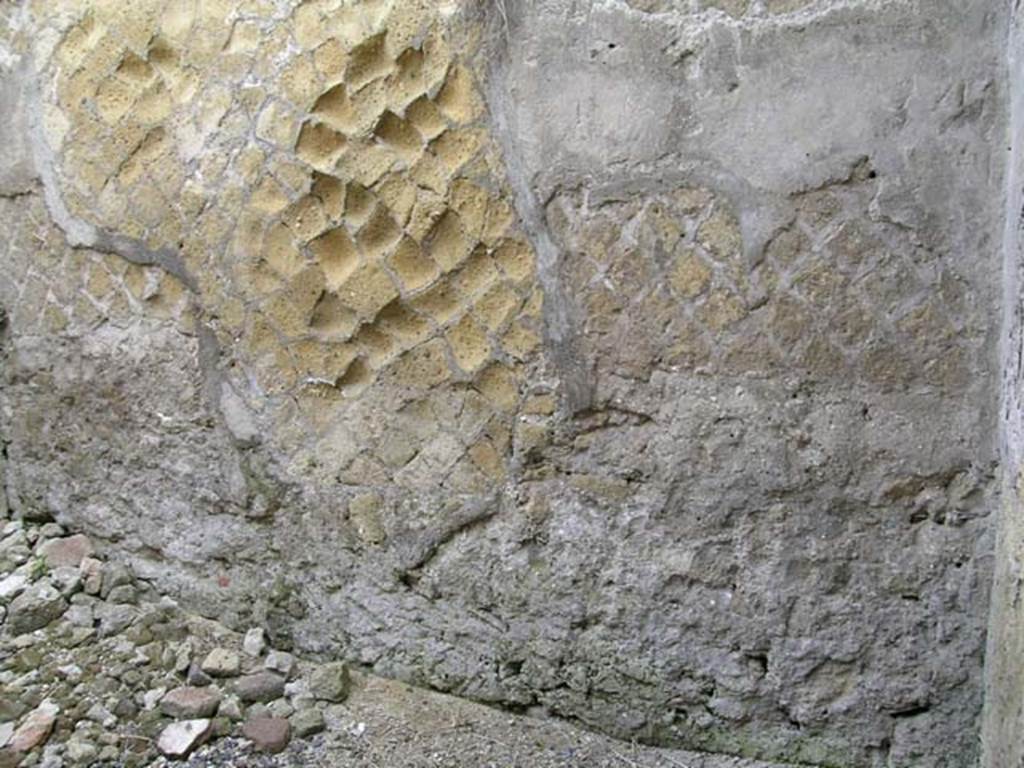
635 361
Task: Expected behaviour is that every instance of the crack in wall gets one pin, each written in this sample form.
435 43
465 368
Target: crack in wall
80 233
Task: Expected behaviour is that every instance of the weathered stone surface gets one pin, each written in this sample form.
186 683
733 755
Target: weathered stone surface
14 550
66 580
81 752
255 642
634 359
189 703
268 734
1003 720
114 619
11 708
92 575
231 708
260 686
14 584
221 662
34 608
307 722
35 729
67 552
281 662
330 682
115 574
17 173
195 675
180 738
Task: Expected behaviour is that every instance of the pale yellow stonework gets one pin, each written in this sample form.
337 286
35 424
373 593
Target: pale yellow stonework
329 184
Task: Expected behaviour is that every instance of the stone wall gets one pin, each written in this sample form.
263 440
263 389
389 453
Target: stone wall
633 361
1004 671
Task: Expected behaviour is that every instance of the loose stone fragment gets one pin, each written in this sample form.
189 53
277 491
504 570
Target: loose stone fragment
14 584
281 708
261 686
80 752
36 727
51 531
330 682
189 703
258 710
126 708
12 704
79 616
108 754
34 608
306 722
114 618
255 642
182 657
115 575
92 575
66 579
101 715
231 708
124 594
67 552
279 661
269 734
196 676
220 662
180 738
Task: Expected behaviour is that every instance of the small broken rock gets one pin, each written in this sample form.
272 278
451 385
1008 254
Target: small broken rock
92 575
51 531
13 584
189 703
255 642
115 575
221 662
261 686
36 727
79 616
330 682
279 661
196 676
114 618
80 752
180 738
67 552
306 722
231 708
66 579
153 697
34 608
281 708
269 734
97 713
124 594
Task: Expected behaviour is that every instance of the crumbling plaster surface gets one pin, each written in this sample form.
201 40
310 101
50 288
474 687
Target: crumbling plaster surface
631 360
